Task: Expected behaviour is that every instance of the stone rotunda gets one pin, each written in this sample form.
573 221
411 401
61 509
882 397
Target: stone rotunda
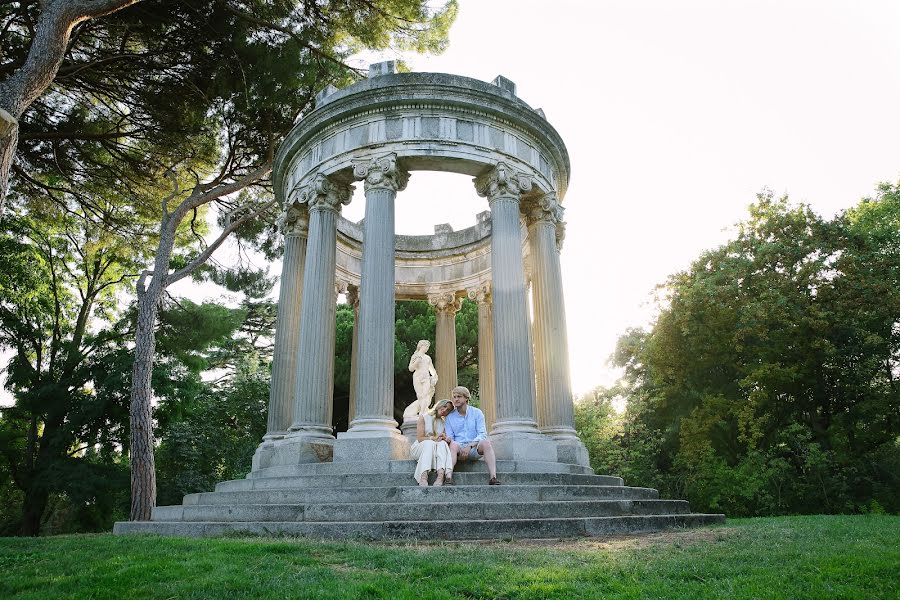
306 481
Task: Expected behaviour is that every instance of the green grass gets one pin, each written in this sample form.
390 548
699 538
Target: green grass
784 557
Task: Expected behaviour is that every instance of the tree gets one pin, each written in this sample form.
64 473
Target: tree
50 24
771 372
58 285
142 76
287 70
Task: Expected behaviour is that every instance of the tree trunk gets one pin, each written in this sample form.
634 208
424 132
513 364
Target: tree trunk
33 506
143 465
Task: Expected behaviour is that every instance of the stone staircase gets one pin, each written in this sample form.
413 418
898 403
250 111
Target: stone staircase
380 500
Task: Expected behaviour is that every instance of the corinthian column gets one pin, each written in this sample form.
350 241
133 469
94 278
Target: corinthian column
554 393
353 300
315 379
446 306
503 186
294 223
488 402
374 421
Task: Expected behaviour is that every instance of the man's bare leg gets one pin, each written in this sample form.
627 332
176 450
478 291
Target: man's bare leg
486 450
454 454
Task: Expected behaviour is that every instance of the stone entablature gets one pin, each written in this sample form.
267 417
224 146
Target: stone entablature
453 261
431 121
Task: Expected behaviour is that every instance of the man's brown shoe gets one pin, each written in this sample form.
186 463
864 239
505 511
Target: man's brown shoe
493 481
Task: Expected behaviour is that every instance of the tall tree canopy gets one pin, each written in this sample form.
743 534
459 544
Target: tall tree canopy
770 381
142 78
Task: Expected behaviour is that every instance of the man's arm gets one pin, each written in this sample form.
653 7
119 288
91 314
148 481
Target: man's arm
448 429
480 429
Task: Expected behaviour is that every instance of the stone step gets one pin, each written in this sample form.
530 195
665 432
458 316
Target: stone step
473 529
415 494
348 480
437 511
409 466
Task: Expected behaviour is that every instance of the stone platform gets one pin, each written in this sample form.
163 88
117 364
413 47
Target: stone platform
380 500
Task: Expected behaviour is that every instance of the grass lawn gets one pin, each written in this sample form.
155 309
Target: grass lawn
784 557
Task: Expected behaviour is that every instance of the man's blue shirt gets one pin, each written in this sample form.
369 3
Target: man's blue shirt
465 429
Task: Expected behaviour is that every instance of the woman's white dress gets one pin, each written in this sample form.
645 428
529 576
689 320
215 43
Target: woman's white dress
430 454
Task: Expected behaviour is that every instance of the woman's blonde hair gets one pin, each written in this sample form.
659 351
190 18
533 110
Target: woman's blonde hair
437 405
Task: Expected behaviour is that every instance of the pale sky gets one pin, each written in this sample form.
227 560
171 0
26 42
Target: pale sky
675 115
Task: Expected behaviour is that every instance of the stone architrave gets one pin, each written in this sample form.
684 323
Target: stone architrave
488 403
373 433
446 306
310 438
555 410
294 224
515 434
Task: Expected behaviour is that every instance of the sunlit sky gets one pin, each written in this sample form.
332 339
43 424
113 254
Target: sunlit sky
675 115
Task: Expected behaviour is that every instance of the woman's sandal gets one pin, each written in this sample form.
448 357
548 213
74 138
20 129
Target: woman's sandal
423 479
440 479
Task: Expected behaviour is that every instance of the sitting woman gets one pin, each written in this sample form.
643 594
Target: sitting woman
431 447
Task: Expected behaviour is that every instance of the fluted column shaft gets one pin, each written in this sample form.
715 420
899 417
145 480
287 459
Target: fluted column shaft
485 355
353 299
554 393
315 380
446 306
375 374
294 222
512 354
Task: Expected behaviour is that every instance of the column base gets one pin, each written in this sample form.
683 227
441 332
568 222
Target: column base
300 448
408 429
573 452
515 426
570 449
264 455
354 446
523 446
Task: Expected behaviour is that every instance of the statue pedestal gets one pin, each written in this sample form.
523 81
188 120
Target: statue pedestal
408 429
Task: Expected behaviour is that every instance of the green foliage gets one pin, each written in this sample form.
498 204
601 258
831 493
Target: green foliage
769 382
214 435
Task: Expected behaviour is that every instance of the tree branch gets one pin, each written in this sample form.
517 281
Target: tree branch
203 256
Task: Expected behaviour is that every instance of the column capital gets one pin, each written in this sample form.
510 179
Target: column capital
560 235
480 294
341 287
293 220
382 172
353 296
545 209
446 302
324 194
503 181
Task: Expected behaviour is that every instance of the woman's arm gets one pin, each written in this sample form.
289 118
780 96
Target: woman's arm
420 429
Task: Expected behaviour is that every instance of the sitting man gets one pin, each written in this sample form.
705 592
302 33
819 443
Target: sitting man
465 429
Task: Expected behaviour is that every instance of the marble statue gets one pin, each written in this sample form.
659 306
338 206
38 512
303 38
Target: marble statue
424 380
